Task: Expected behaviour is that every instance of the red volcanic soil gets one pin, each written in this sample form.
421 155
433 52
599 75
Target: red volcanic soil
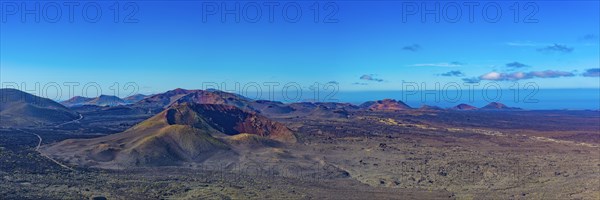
229 120
215 97
179 96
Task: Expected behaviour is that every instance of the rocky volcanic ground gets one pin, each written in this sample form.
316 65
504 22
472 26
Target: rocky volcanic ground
242 149
391 155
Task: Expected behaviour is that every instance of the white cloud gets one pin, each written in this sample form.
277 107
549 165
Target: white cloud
496 76
491 76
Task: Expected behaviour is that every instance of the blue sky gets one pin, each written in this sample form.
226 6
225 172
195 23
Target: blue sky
365 46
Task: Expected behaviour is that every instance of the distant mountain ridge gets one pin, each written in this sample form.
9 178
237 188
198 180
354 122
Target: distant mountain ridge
158 102
102 100
490 106
76 101
106 100
134 98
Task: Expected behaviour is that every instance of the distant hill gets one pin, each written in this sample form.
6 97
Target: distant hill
463 106
76 101
102 100
498 106
182 133
106 100
18 108
323 109
428 107
134 98
385 105
158 102
271 107
216 97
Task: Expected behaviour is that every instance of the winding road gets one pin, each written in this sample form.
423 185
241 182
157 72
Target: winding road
37 149
72 121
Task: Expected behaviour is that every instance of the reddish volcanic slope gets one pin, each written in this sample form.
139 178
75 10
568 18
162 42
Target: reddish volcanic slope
227 119
161 101
215 97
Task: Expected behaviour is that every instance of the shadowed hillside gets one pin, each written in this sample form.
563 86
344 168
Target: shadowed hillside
18 108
